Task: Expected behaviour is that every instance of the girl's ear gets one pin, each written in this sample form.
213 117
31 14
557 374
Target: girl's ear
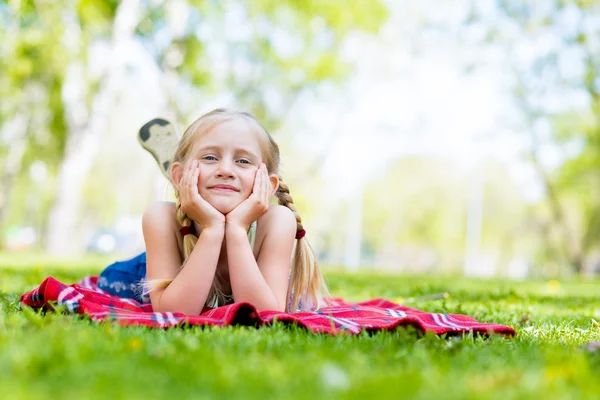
176 172
274 179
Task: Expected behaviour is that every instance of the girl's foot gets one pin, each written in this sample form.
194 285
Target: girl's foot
160 138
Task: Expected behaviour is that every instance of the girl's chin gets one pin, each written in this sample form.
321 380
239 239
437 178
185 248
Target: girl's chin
224 207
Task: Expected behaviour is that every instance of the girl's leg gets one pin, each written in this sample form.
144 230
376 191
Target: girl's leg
160 138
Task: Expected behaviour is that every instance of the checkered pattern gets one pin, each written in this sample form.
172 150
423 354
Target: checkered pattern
341 317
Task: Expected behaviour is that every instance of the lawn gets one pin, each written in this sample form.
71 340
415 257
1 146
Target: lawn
64 356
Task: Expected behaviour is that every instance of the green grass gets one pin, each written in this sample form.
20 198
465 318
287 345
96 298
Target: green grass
63 356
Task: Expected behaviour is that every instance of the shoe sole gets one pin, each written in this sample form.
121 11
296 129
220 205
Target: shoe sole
160 139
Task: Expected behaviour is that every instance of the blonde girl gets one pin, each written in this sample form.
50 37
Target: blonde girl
223 241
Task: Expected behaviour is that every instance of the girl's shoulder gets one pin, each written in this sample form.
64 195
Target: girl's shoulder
278 220
160 222
161 209
160 214
278 214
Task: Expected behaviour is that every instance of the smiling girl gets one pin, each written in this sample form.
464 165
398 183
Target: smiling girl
222 241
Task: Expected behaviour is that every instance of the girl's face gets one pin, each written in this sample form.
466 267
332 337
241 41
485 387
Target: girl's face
229 156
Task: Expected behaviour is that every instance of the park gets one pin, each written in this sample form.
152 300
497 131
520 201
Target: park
299 199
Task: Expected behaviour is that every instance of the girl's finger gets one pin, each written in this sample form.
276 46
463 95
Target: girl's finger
197 178
188 176
269 185
266 182
191 174
182 182
260 181
256 188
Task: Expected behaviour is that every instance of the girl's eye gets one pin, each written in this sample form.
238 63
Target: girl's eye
243 161
209 158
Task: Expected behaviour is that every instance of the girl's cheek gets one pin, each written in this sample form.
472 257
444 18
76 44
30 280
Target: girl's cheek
204 173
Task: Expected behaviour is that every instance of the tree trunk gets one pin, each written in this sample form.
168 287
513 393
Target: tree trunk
86 127
12 166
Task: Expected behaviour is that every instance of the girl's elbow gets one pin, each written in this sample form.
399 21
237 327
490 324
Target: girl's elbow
164 305
271 307
182 310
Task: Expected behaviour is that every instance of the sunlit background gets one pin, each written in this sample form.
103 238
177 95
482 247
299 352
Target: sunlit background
458 137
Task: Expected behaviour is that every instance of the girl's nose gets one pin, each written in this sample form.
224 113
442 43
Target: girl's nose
225 169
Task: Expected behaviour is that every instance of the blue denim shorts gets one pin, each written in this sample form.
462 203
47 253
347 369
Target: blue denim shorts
125 278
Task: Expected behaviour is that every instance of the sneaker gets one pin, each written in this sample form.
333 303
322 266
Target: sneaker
160 138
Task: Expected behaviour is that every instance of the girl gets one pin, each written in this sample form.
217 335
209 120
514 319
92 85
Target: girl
222 241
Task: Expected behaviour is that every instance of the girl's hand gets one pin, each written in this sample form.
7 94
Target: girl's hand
193 204
254 206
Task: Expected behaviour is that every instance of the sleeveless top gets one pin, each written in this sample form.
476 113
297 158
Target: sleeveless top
252 235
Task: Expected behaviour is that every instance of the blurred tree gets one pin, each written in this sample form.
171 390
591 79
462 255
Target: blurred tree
414 215
553 49
31 71
261 53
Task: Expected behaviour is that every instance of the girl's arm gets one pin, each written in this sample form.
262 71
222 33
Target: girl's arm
189 289
262 282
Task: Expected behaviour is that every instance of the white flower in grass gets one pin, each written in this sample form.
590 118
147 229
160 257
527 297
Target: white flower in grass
334 377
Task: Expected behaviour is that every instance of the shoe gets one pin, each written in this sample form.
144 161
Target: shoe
160 138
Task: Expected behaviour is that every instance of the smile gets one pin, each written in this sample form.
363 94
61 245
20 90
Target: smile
224 188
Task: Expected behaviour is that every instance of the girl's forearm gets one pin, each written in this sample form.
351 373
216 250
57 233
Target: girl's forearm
189 290
247 282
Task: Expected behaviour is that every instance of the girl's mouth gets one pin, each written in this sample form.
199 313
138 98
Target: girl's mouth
224 188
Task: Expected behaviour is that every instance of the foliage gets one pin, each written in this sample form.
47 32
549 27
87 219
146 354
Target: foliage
420 205
258 72
554 56
36 53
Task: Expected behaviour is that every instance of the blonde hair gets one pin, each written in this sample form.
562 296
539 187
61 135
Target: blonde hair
306 288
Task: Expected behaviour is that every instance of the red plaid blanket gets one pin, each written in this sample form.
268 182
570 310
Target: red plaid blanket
373 315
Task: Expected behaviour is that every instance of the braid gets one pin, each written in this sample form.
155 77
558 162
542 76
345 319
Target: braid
190 240
285 199
307 285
